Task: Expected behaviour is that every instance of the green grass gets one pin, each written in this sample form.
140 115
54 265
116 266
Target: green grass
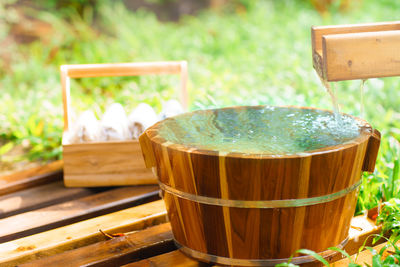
261 56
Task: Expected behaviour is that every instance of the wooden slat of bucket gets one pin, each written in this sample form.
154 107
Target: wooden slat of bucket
134 246
72 211
39 197
81 233
31 177
174 258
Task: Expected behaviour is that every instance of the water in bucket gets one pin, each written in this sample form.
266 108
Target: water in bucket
261 130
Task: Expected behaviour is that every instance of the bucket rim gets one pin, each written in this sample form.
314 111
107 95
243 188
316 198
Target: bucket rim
365 133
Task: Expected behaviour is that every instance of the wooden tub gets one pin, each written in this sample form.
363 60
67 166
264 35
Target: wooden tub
258 209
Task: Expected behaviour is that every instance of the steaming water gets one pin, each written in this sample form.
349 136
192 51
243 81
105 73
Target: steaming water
264 130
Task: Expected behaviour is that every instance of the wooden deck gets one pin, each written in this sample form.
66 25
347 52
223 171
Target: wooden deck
42 223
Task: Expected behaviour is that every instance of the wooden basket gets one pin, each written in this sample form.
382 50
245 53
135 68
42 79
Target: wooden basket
111 163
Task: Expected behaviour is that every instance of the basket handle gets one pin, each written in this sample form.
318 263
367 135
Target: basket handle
120 69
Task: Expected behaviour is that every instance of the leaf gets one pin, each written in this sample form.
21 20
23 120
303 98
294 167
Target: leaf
31 124
376 261
396 171
390 260
5 148
397 257
394 242
385 247
343 252
313 254
38 129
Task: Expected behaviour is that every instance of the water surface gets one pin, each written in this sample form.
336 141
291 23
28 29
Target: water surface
266 130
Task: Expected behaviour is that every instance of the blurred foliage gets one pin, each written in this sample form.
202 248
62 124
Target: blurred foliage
389 217
65 7
260 54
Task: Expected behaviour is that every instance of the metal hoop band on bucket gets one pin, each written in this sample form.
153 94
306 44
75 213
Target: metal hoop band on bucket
260 204
254 262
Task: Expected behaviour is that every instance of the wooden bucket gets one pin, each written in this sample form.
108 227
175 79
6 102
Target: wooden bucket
252 210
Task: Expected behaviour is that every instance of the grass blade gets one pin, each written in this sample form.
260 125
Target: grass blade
313 254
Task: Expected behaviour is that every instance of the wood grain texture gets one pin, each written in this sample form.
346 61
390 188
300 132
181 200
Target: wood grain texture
158 240
361 231
318 31
361 55
75 210
105 164
173 258
116 251
81 234
122 69
372 151
111 163
359 51
362 228
251 233
39 197
32 177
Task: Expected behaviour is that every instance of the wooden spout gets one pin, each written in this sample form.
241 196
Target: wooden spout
372 151
147 151
359 51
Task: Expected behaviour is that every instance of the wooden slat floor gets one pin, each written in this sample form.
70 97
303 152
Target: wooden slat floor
42 223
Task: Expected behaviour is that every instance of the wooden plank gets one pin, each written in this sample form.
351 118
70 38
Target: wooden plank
117 251
31 177
361 55
362 228
72 211
318 31
364 257
356 51
103 253
39 197
81 234
173 258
